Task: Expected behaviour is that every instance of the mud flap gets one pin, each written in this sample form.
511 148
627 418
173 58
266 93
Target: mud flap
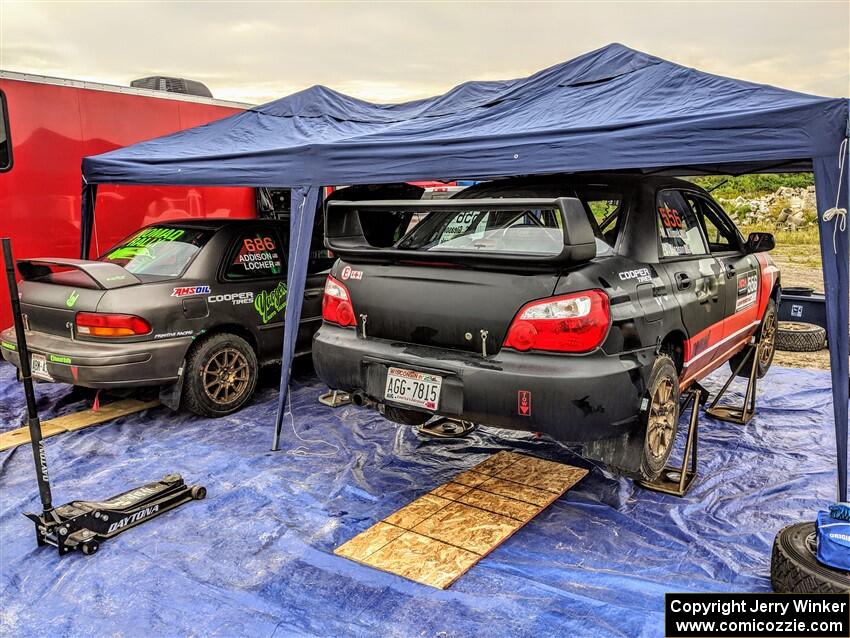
621 453
171 395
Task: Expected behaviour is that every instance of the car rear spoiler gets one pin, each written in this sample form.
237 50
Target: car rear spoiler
104 276
345 237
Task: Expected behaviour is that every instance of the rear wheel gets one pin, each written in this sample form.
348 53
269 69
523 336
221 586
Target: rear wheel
405 417
661 417
221 375
766 338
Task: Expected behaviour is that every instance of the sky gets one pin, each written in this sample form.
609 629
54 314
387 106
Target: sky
395 51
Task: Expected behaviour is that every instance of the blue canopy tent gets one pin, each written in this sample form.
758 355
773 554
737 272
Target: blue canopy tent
613 108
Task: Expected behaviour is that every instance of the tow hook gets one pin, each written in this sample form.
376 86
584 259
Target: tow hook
484 335
363 319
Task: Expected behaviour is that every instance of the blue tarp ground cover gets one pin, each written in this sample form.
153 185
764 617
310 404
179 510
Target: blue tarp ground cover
256 558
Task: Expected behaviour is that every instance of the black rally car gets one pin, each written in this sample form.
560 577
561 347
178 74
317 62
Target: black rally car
576 306
197 303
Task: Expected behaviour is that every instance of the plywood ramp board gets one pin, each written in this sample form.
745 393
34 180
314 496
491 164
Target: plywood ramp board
76 421
438 537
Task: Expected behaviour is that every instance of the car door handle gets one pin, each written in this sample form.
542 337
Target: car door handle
312 294
683 280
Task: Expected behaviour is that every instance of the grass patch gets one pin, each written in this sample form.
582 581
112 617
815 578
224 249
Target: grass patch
804 237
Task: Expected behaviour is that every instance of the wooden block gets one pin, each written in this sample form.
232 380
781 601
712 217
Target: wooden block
497 504
411 515
473 529
451 491
368 542
435 539
521 492
107 412
14 438
76 421
425 560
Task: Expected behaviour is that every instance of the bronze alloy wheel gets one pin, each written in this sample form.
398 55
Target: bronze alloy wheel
661 424
225 376
767 343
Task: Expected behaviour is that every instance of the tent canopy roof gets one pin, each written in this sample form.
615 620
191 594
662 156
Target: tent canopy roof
612 108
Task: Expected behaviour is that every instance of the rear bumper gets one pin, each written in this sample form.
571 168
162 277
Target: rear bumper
102 365
572 398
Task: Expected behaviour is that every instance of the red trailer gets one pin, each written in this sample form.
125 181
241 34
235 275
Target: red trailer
47 125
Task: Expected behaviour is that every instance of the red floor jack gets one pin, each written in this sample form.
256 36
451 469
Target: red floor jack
84 524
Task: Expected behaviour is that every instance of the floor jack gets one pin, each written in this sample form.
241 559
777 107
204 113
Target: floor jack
84 524
678 480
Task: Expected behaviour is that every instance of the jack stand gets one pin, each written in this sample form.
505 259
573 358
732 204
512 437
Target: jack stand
678 480
446 428
335 399
735 414
84 524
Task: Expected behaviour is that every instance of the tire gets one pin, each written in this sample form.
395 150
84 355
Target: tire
405 417
794 569
660 419
793 336
767 338
229 365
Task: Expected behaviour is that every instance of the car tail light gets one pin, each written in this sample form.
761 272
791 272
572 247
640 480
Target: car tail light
98 324
336 304
566 323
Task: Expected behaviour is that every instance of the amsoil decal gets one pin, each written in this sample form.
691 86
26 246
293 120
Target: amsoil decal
133 518
523 402
748 288
269 303
186 291
348 273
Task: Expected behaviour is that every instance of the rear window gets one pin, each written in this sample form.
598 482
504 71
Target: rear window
520 231
162 251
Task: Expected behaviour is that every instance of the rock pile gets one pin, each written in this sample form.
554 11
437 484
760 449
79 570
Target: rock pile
787 208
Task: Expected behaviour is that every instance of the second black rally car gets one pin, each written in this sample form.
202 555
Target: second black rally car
578 306
192 306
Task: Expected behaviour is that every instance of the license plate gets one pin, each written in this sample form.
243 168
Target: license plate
419 389
38 365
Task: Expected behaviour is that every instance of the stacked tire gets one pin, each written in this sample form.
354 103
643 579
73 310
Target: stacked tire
793 336
794 567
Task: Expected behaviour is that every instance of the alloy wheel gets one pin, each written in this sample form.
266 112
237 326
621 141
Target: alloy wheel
661 424
767 343
225 376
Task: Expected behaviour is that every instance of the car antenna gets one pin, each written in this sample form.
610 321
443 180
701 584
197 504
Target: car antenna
84 524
